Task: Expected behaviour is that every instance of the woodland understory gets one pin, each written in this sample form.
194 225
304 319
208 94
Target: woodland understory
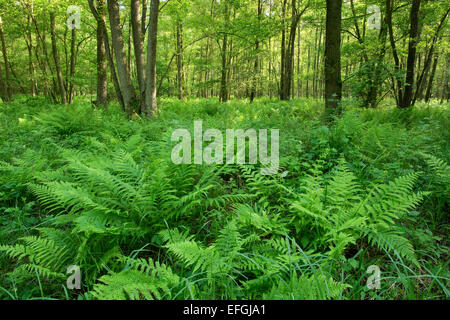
92 92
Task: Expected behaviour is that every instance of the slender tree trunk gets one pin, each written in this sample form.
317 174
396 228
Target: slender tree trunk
151 103
256 64
31 68
129 56
180 75
430 81
299 81
5 59
138 42
412 48
102 84
283 53
287 52
73 60
3 94
427 64
376 80
223 80
44 62
229 70
144 20
396 82
100 15
129 97
333 82
308 65
445 87
62 89
317 38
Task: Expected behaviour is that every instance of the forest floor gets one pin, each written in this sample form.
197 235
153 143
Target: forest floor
357 210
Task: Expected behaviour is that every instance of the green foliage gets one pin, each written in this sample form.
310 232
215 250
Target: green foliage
372 189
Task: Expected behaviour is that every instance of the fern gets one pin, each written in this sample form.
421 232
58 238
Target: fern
342 214
140 279
315 287
48 256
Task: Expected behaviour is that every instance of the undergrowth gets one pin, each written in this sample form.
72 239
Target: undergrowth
87 187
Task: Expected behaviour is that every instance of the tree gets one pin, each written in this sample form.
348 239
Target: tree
412 48
430 81
224 55
287 49
429 57
100 16
126 87
55 52
180 74
138 42
102 77
238 48
151 104
333 82
256 66
8 92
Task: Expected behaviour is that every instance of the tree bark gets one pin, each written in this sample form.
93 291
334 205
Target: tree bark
62 89
126 87
180 75
102 79
138 42
31 68
3 94
73 60
430 81
412 48
396 83
428 59
299 80
256 64
333 81
151 104
445 87
5 59
100 15
376 82
223 78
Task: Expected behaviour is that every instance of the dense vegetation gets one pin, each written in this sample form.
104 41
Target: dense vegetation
224 49
91 93
88 187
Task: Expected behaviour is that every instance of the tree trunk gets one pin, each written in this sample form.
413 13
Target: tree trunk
151 104
333 82
445 87
180 59
62 89
223 79
412 48
308 65
126 87
73 60
102 79
299 81
100 15
31 68
8 88
256 65
376 82
138 42
428 59
3 94
396 82
430 81
283 52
